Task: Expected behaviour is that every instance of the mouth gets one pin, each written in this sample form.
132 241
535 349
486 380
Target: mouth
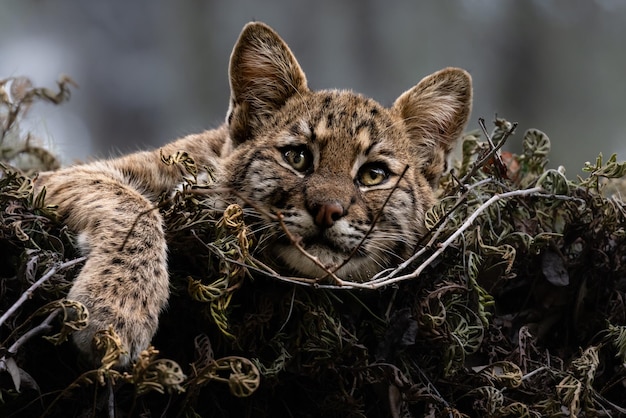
326 251
290 259
320 243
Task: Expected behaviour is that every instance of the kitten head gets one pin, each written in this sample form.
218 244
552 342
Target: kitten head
351 178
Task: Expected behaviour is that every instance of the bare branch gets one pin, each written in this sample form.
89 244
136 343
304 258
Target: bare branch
384 281
390 279
437 228
39 329
29 292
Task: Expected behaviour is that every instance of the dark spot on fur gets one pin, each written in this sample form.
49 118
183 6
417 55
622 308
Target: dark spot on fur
238 180
295 129
330 119
371 146
103 311
278 198
117 261
362 125
120 322
313 136
386 152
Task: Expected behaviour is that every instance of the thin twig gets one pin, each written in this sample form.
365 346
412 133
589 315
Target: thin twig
384 281
436 230
266 270
39 329
497 160
293 298
382 278
374 221
478 164
296 243
279 218
139 216
29 292
534 372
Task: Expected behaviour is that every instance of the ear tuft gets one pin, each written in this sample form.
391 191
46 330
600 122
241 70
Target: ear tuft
264 74
435 112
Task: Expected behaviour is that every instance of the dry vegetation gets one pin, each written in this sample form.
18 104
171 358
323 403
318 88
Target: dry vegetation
514 307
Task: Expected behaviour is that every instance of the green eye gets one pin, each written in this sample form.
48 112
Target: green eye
373 174
299 158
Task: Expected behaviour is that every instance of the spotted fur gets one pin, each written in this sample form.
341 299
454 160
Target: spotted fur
351 179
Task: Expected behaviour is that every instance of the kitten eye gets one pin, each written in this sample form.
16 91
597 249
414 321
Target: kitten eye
373 174
299 158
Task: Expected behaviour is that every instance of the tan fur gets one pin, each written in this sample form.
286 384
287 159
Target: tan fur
325 160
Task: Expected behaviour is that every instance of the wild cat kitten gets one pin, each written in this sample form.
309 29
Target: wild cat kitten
326 160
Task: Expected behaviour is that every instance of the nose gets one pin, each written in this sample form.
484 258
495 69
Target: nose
326 214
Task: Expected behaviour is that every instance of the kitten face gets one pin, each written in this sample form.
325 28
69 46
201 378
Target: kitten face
351 179
327 162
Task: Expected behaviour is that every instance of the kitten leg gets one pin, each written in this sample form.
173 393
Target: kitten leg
124 282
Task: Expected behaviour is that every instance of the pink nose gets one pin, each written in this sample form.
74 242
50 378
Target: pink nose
328 213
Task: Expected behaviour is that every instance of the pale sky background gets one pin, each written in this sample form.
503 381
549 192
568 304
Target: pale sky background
152 70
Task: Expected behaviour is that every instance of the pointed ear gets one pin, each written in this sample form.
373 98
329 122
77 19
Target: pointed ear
435 112
263 75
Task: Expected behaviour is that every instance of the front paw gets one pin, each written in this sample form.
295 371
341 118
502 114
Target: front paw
127 305
120 342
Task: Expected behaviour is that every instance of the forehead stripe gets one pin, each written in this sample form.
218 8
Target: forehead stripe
370 147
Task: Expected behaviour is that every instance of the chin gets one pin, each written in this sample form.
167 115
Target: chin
289 259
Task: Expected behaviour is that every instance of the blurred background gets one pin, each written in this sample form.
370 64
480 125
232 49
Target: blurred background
153 70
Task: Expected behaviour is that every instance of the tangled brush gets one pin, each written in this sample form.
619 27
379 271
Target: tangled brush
513 306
